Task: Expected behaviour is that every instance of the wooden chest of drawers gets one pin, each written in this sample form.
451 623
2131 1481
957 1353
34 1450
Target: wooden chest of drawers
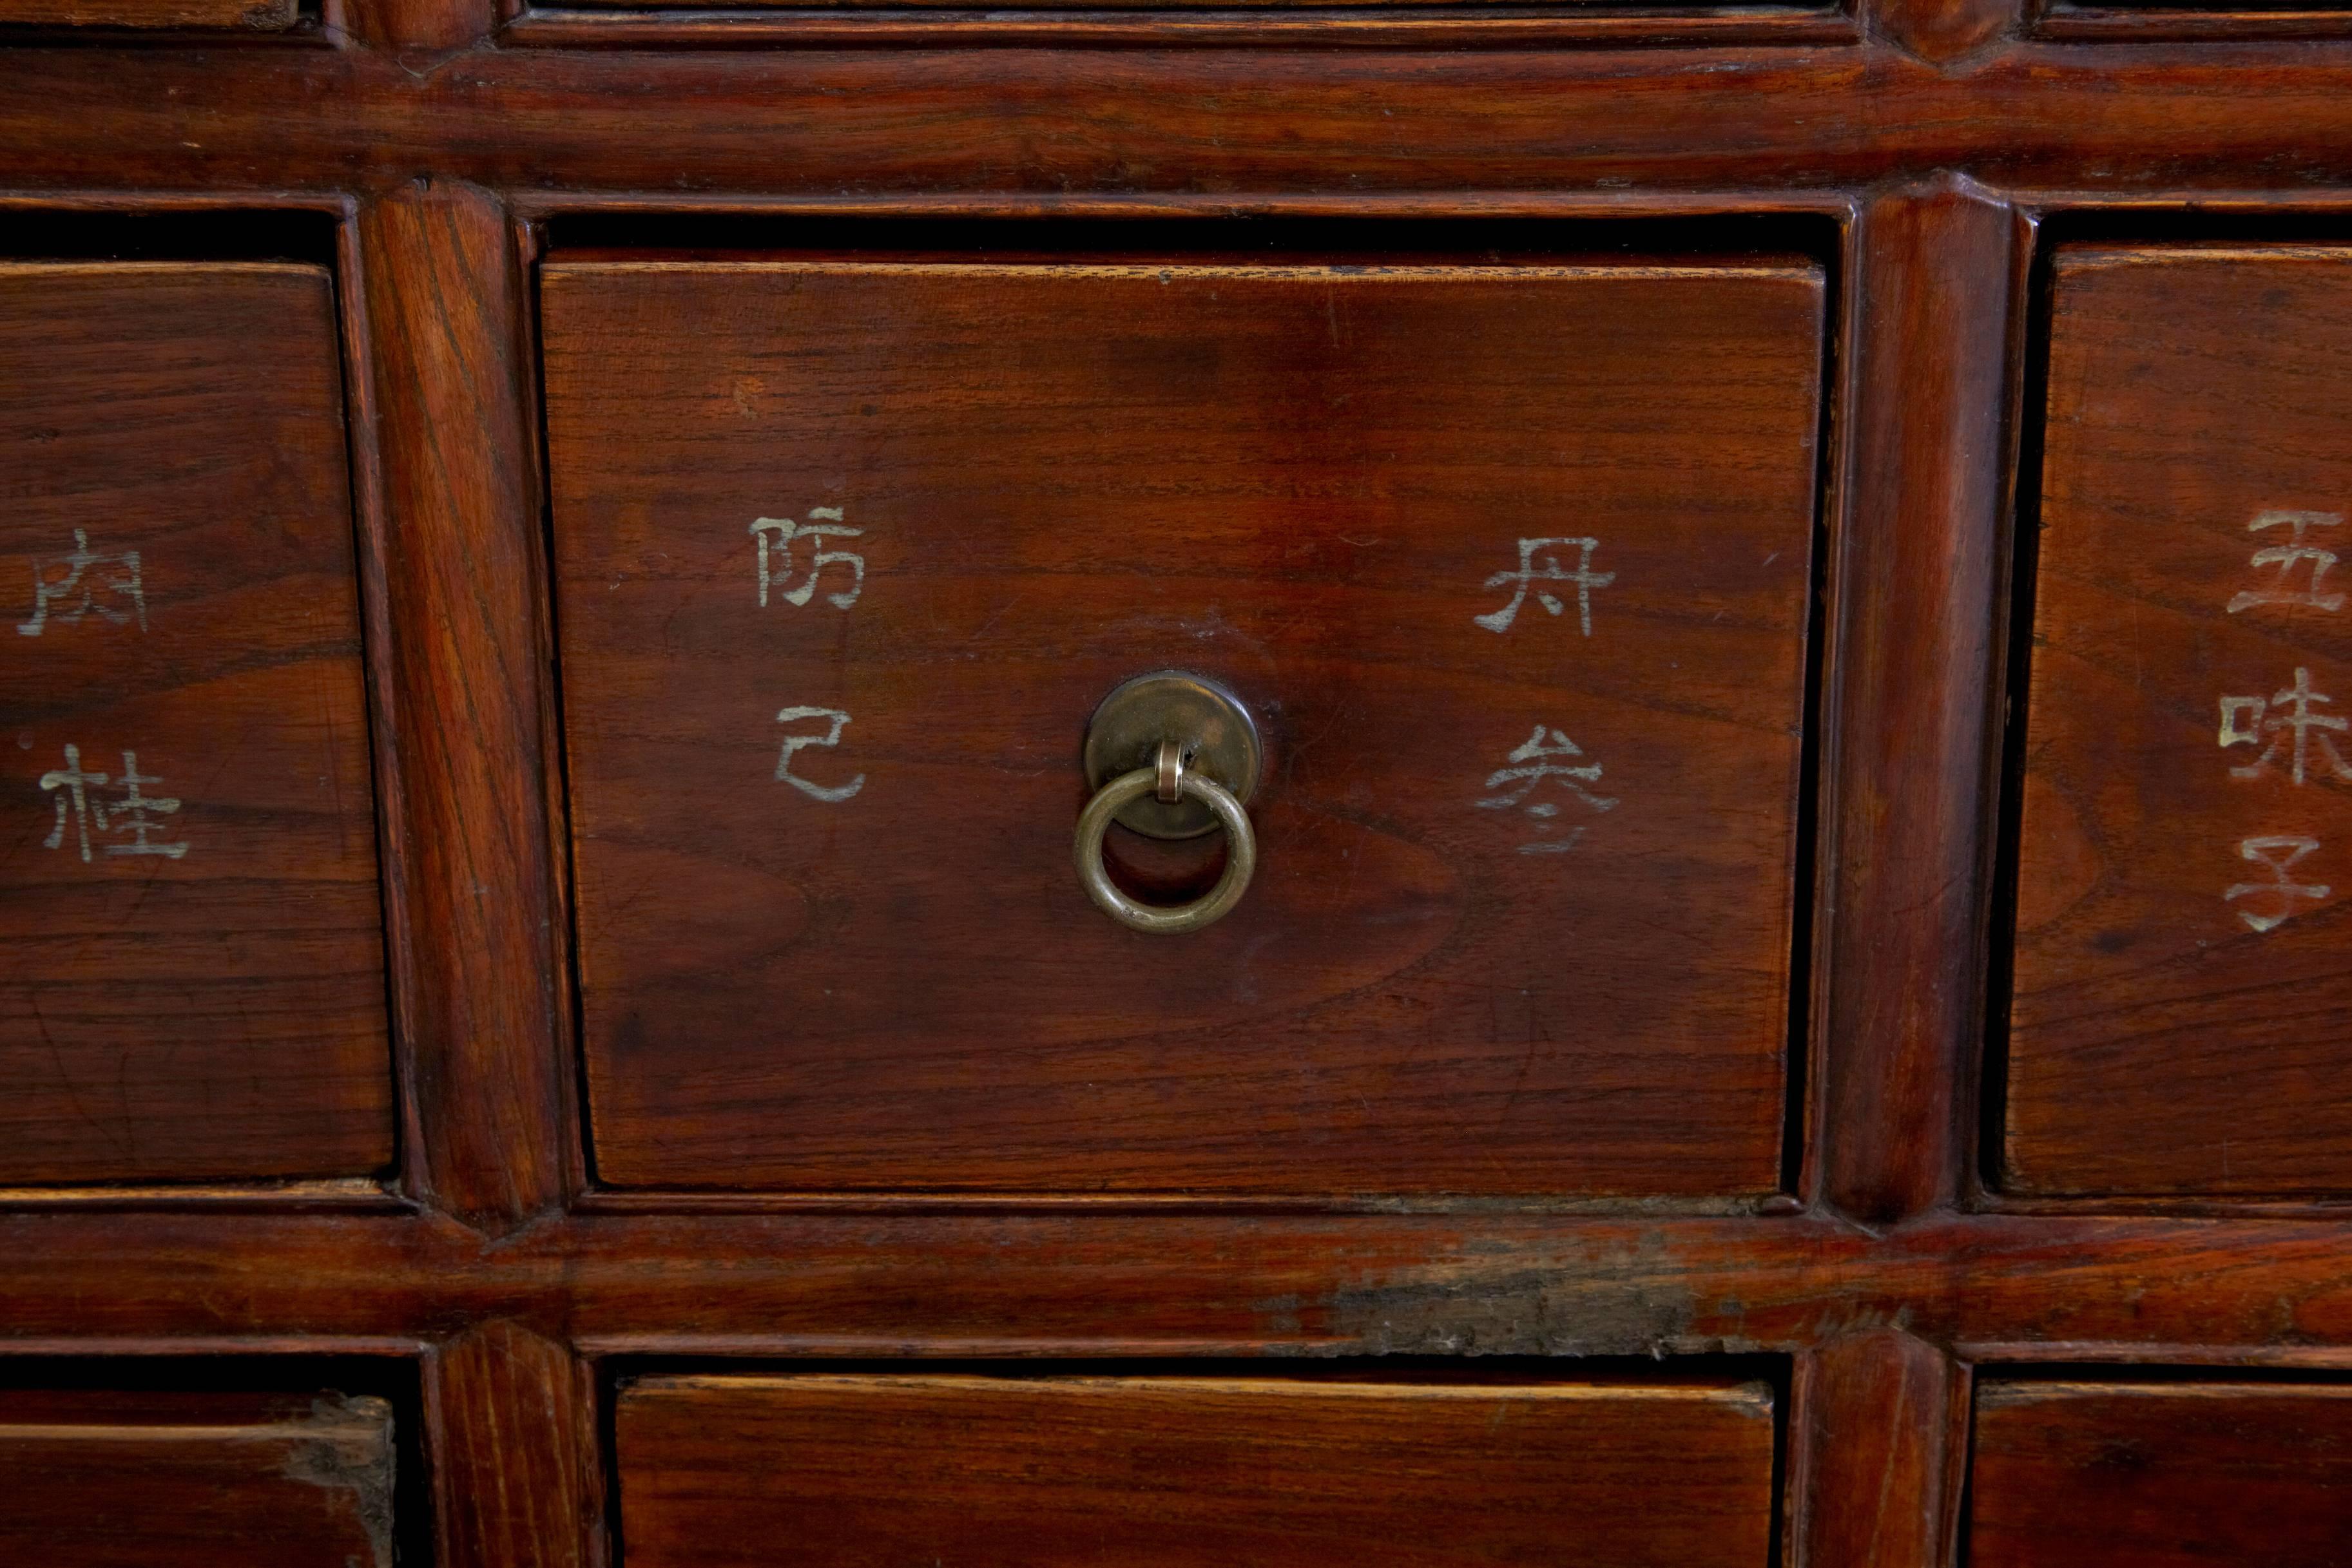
1467 782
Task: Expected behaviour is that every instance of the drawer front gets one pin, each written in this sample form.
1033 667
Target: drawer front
2160 1476
171 15
1057 1472
1510 564
170 1480
188 891
2181 1019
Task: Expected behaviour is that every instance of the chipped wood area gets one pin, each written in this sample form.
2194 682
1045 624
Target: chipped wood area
122 1477
346 1448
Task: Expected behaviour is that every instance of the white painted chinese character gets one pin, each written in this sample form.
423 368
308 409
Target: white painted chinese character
1548 569
70 597
830 738
2245 720
1543 743
776 535
135 813
130 814
74 800
2278 855
2289 556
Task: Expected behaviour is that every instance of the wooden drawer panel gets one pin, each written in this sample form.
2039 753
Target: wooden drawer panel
2073 1475
171 1481
2182 1011
1057 1472
239 16
194 987
1462 968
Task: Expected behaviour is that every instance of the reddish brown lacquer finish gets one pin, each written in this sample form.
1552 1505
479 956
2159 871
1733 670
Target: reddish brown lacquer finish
170 1480
2184 1475
195 990
1054 1472
1311 483
2182 1017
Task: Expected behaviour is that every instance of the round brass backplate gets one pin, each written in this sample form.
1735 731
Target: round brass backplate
1203 718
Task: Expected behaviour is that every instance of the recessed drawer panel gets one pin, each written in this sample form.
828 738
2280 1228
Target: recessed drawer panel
827 1470
171 1481
2180 1475
2181 1019
1508 565
194 987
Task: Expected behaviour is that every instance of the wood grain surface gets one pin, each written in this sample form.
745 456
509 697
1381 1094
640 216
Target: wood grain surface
194 991
92 1479
1874 1456
471 863
2182 1475
519 1476
247 16
1453 973
2180 1015
1190 1472
1902 839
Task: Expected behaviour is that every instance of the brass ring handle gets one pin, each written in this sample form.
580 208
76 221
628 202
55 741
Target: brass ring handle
1241 852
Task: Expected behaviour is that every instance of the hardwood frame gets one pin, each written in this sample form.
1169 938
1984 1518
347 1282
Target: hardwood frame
438 133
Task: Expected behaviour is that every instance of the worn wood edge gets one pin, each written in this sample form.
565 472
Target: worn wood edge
543 206
30 203
2220 205
1984 1098
1351 26
1998 1393
2170 1206
1804 1079
646 1201
1991 1357
334 1422
2073 259
574 1169
182 1347
1751 1395
309 270
244 16
1474 272
371 531
362 1193
2133 25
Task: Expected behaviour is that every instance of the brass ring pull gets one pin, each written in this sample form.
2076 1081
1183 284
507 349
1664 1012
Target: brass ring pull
1241 846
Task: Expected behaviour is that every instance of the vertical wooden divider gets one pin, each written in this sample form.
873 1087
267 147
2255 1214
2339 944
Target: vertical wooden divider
1874 1441
417 29
474 899
516 1477
1875 1423
1912 721
1941 31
